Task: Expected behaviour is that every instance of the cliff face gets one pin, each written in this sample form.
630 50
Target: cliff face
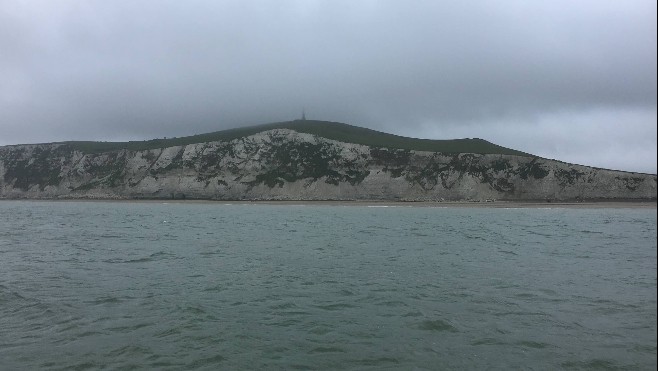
283 164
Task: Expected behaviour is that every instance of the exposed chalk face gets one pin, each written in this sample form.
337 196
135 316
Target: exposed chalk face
283 164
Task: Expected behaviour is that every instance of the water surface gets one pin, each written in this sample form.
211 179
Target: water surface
89 285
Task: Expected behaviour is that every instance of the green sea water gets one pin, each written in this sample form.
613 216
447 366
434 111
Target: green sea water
100 285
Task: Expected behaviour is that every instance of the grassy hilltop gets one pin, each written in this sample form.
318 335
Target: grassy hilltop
326 129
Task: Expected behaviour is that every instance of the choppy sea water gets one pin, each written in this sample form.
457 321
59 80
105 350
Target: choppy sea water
93 285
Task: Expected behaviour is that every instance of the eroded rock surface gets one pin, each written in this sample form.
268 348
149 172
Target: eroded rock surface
283 164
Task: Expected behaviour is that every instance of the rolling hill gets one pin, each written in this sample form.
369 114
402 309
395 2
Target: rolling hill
305 160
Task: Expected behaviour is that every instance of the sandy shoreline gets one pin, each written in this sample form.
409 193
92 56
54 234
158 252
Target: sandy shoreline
464 204
443 204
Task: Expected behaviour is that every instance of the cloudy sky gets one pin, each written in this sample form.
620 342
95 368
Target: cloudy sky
570 80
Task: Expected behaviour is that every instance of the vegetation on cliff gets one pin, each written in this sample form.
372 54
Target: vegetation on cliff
325 129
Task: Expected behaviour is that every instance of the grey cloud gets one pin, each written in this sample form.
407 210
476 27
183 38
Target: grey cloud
141 69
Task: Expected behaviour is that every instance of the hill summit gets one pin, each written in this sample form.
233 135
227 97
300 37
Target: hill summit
325 129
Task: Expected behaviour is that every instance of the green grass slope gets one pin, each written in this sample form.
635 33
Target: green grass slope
330 130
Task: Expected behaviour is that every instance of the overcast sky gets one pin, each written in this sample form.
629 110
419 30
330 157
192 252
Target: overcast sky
570 80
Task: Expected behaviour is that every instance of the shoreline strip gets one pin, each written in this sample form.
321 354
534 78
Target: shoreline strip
375 203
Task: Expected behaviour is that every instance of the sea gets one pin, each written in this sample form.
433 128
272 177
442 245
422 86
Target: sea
215 286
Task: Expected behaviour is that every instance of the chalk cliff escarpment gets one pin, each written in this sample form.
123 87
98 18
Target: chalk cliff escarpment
280 163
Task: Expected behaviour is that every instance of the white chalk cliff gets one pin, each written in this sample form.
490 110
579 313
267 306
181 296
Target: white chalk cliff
283 164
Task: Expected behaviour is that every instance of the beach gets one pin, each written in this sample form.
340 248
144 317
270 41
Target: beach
382 203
